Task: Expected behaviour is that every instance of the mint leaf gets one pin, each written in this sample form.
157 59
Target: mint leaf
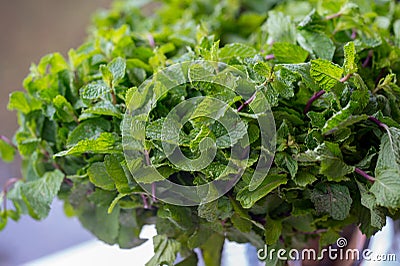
273 230
325 73
349 64
280 28
22 102
165 251
289 53
7 152
248 198
39 194
387 171
99 177
236 50
333 199
317 43
105 143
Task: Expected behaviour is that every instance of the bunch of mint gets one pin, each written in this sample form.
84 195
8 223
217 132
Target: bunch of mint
327 69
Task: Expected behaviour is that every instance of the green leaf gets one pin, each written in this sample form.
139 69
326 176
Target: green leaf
113 164
88 129
284 160
189 261
387 182
117 67
105 108
304 178
105 143
280 28
240 223
317 43
99 177
39 194
273 230
332 164
368 200
23 102
64 110
325 73
289 53
239 50
248 198
333 199
165 250
7 152
349 64
95 90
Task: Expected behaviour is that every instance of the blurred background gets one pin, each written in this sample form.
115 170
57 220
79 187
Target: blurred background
29 30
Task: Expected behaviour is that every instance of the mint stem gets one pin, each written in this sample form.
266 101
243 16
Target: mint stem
345 78
8 141
313 99
365 175
336 15
353 34
379 123
368 58
269 57
247 102
7 186
145 203
150 38
153 192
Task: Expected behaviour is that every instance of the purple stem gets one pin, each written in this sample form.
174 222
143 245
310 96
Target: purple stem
8 141
313 99
333 16
247 102
345 78
353 34
145 203
147 157
269 57
379 123
153 192
6 187
368 58
150 38
365 175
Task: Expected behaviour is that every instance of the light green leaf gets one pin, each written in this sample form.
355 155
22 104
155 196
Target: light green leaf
64 110
39 194
117 67
387 172
99 177
23 102
326 74
248 198
317 43
94 90
349 64
105 143
88 129
289 53
7 152
280 28
113 164
165 251
239 50
102 108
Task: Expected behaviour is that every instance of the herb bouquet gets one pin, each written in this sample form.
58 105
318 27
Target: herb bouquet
262 122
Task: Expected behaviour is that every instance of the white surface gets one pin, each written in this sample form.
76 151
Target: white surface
98 253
